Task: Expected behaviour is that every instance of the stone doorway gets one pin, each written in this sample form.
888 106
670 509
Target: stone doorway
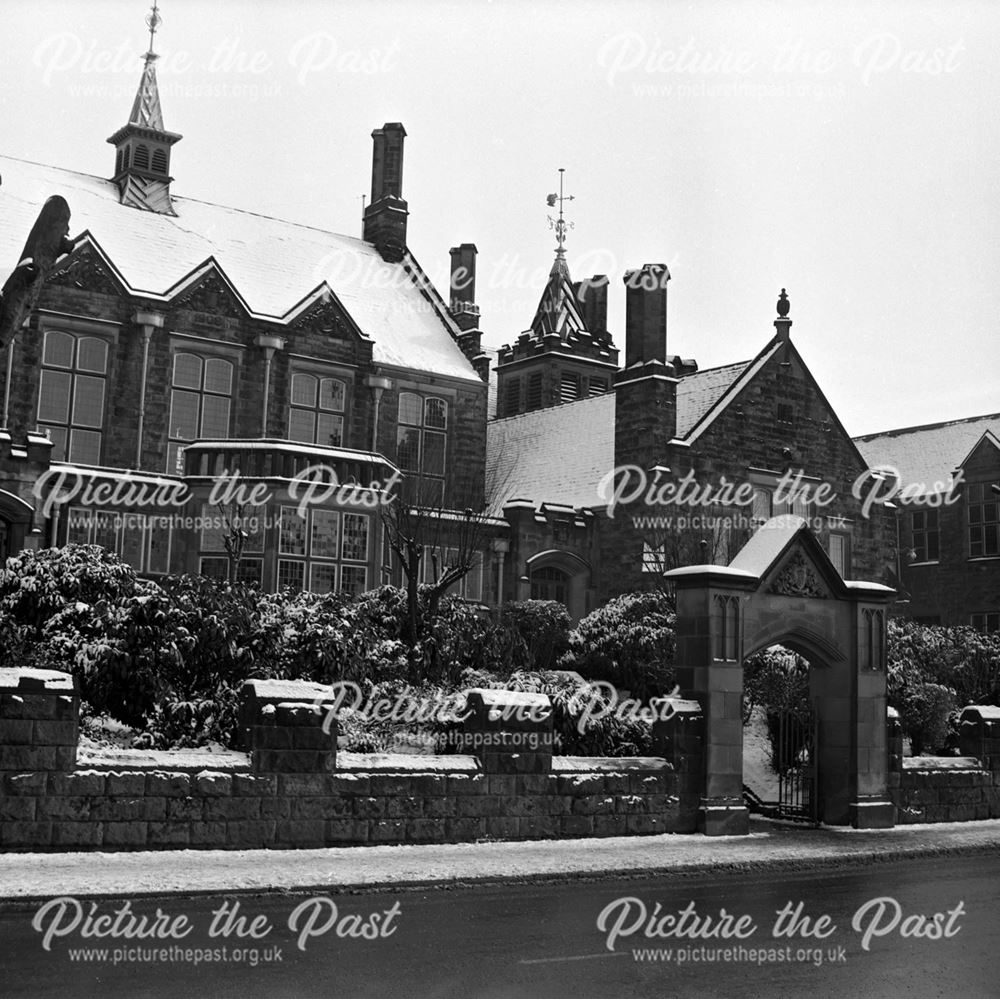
783 589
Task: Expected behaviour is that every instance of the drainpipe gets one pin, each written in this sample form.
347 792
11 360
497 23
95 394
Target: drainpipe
270 344
6 390
147 322
378 385
500 548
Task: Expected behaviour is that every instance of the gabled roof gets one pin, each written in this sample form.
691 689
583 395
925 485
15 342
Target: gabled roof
560 454
719 393
927 454
275 267
699 392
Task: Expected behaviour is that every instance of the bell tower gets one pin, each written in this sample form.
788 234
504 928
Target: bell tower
142 146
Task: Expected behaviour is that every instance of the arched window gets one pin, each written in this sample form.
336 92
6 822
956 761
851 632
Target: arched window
141 159
549 583
727 628
316 413
126 153
118 161
872 632
160 160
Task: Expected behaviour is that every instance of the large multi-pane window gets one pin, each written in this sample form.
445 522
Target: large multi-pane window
840 552
549 583
984 527
323 550
71 395
143 541
436 560
200 402
766 505
925 535
988 621
654 557
316 413
219 525
421 444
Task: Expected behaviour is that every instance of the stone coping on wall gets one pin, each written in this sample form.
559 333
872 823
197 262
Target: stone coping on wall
607 764
24 679
230 761
941 763
176 760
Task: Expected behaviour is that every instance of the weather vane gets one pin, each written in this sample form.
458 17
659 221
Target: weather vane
153 21
560 224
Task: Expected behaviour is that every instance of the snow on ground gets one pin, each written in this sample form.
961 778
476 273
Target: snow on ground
41 876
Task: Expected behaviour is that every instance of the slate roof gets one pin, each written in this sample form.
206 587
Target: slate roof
554 455
277 268
698 393
927 454
560 454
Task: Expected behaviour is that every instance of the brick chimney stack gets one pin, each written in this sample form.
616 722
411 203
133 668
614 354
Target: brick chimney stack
592 295
646 315
463 307
645 413
385 218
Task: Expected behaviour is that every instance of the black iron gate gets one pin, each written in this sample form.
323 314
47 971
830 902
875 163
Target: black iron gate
793 737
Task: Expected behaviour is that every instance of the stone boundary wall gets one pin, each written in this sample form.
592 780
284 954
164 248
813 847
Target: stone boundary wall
116 810
949 788
293 789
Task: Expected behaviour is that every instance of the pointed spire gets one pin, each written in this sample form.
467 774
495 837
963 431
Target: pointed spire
146 107
142 158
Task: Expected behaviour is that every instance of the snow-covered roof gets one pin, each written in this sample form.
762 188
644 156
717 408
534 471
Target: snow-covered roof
560 454
554 455
277 268
928 454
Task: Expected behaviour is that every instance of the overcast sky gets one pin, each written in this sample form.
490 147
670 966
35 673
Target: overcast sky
848 153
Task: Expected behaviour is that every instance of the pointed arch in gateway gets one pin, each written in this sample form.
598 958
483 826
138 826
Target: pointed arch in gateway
783 589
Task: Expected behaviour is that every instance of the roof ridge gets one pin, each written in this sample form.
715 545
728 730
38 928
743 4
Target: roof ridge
718 367
549 409
188 198
926 426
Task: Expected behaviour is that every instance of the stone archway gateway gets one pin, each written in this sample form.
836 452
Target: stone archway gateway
783 589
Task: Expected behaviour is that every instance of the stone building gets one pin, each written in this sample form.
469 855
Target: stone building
669 465
946 480
181 340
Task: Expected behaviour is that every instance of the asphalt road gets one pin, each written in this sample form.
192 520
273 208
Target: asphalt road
537 939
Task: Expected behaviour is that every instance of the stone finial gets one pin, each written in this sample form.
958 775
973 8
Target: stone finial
783 324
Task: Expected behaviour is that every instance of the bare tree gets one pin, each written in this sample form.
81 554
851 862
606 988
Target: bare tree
437 544
234 539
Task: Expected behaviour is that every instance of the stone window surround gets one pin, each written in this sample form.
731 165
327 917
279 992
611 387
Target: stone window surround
61 322
206 348
302 364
